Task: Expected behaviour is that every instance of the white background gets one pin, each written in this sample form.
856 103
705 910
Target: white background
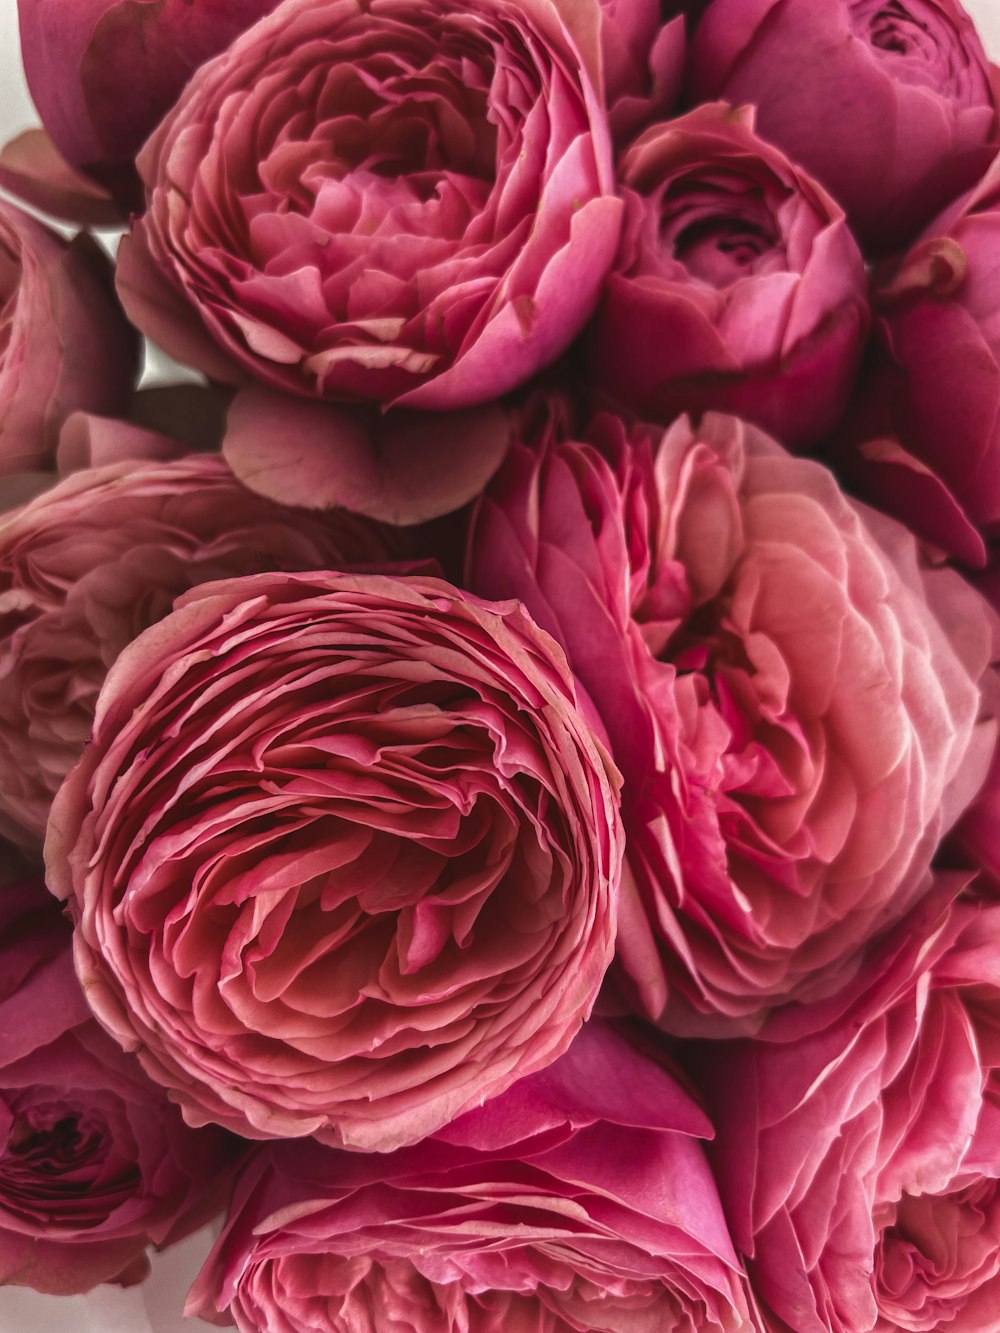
155 1307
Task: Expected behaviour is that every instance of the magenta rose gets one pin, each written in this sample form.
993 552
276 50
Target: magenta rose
580 1199
891 105
102 73
91 562
856 1152
64 344
95 1163
642 52
738 285
923 439
371 850
403 201
791 699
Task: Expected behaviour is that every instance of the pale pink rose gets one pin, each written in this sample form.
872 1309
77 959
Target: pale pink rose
91 562
892 106
64 343
402 201
580 1199
95 1162
376 878
737 287
857 1146
792 700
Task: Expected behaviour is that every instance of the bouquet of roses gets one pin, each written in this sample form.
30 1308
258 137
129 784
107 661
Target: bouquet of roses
498 783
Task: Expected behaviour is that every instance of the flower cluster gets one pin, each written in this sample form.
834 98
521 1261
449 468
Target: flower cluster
499 786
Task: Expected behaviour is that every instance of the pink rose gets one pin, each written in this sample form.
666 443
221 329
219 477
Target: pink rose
95 1163
791 699
377 871
892 106
924 435
64 345
94 560
737 286
578 1199
401 201
643 60
856 1152
102 73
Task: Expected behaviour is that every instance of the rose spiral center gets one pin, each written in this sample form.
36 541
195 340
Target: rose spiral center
719 232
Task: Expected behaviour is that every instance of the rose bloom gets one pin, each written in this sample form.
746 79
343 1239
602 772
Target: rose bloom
401 201
923 438
578 1199
93 561
738 285
857 1153
95 1163
892 106
64 344
791 699
343 855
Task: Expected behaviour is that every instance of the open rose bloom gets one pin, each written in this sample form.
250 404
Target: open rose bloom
737 286
782 686
343 855
579 1200
419 204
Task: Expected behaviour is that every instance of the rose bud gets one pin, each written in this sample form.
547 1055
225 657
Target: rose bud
404 201
102 73
738 285
377 871
892 106
861 1139
93 561
791 699
64 344
923 438
95 1163
578 1199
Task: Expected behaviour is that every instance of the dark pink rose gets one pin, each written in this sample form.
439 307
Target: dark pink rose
95 1163
343 855
791 699
580 1199
64 344
102 73
642 55
924 435
737 286
402 201
891 104
91 562
857 1147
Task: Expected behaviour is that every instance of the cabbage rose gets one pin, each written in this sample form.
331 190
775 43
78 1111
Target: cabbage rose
580 1199
343 855
792 700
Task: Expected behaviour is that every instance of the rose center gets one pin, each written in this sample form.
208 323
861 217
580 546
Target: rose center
718 233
